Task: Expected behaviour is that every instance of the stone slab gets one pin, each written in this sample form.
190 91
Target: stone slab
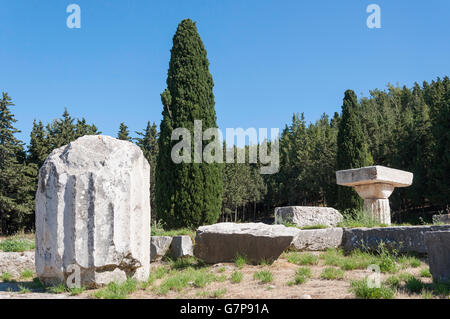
318 239
257 241
438 249
307 216
159 246
374 174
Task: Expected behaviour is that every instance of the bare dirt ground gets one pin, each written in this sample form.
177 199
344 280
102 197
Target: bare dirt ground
248 288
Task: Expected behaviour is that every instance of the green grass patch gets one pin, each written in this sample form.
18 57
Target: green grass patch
178 280
23 289
359 218
302 258
331 273
17 244
115 290
409 261
318 226
240 260
362 290
6 277
264 276
58 289
27 274
414 285
301 276
219 293
236 277
425 272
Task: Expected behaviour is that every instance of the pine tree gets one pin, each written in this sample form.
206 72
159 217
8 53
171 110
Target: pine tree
124 134
38 148
187 194
149 145
352 149
16 176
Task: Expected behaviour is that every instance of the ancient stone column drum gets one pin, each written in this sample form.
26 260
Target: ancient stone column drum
93 213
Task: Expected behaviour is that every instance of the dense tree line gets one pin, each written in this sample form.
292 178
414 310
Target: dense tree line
400 127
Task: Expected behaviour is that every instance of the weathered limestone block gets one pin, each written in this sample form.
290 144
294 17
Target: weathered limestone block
159 245
318 239
181 246
438 249
402 238
93 212
444 218
257 241
307 215
375 184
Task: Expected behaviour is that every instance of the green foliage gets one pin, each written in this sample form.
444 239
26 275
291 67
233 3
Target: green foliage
358 218
352 149
17 244
264 276
6 277
27 274
187 194
414 285
331 273
236 277
218 293
124 134
115 290
240 260
180 279
302 258
362 290
16 176
156 231
425 272
148 142
301 276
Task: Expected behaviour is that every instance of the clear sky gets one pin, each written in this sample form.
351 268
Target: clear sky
268 59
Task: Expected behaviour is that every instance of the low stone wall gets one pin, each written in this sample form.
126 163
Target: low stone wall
402 238
317 239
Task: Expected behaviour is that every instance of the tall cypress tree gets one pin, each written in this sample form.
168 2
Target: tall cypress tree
352 149
187 194
38 149
16 176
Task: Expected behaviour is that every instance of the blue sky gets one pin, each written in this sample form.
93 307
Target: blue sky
268 59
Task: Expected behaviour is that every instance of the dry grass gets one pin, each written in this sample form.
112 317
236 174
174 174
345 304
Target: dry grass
218 282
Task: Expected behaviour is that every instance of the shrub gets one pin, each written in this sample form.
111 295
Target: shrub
414 285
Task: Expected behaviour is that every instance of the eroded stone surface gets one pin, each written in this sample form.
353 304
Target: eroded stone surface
257 241
93 211
307 215
438 249
159 245
402 238
181 247
374 174
318 239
